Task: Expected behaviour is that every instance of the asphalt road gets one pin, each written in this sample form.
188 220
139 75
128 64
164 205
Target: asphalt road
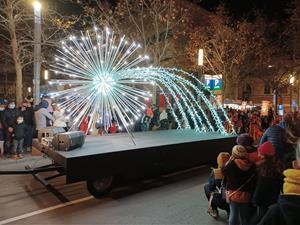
169 199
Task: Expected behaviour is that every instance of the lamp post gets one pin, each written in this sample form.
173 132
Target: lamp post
46 74
200 57
292 80
37 51
200 63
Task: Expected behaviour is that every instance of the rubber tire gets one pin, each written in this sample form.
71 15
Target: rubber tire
100 186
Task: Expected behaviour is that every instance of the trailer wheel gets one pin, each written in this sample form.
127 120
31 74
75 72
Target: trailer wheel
99 186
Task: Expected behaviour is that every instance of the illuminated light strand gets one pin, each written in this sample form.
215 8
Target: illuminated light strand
105 84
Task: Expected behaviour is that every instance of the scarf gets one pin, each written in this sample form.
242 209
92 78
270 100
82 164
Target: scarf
291 184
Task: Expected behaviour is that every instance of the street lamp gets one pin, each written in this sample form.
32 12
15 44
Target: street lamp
37 51
200 63
200 57
292 80
46 74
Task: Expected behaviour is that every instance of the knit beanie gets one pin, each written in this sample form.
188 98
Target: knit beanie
266 149
239 152
244 140
222 158
291 182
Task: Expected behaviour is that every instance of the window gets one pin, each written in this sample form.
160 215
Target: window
267 89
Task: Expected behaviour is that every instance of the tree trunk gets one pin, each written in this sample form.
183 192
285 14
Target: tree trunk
15 55
19 83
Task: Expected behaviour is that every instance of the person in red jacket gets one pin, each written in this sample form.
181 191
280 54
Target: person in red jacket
84 125
114 127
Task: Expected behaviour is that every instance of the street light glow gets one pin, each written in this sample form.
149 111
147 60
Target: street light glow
292 80
46 74
200 57
37 5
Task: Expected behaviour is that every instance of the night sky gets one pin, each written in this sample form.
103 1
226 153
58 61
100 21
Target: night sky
273 9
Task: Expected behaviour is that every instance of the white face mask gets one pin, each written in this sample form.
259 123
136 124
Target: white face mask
11 106
2 108
20 121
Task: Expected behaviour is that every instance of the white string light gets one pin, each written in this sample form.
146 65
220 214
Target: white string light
106 84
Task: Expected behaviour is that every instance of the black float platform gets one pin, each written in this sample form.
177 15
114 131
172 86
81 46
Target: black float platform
155 152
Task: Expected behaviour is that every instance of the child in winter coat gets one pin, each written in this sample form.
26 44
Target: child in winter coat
287 209
212 189
18 137
240 177
269 180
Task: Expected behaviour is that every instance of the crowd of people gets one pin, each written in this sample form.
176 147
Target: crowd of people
259 184
19 124
252 121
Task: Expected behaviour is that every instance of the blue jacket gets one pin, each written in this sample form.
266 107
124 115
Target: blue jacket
275 135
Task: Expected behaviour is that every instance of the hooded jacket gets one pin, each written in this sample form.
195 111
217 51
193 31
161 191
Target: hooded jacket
237 172
41 115
287 209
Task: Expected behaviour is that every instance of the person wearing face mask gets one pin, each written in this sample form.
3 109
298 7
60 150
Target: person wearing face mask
9 119
18 137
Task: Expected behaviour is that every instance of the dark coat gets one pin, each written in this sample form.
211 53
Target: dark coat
28 116
2 137
285 212
236 177
19 131
267 190
2 115
10 117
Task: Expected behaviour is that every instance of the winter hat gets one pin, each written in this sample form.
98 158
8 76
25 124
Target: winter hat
222 158
239 152
244 140
266 149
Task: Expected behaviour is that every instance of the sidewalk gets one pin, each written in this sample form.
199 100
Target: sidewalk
19 164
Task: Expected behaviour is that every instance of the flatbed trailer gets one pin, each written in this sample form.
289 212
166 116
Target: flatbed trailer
104 159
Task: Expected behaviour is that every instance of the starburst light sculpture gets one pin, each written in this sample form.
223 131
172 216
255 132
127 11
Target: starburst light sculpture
104 83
